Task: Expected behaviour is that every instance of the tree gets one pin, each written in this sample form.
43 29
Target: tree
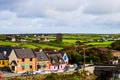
116 45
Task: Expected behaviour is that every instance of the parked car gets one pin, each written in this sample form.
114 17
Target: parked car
27 74
1 75
69 69
37 71
46 72
57 71
79 67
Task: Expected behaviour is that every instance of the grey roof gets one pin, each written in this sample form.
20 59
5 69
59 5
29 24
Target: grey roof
3 57
24 53
41 56
55 57
7 49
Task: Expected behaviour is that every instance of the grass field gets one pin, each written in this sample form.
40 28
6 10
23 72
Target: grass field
5 43
68 40
101 44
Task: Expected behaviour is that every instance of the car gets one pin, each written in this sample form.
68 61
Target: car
60 70
27 74
69 69
37 71
45 72
1 75
57 71
79 67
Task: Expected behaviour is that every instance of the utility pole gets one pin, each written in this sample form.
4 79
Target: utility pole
84 58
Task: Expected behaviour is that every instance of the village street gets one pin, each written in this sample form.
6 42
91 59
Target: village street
9 74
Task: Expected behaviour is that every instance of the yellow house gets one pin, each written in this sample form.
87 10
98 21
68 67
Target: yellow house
4 56
4 62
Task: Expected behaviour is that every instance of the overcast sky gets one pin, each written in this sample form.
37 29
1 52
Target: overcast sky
59 16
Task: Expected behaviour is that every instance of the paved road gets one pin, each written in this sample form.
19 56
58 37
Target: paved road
8 74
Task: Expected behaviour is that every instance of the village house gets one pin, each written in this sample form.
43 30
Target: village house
3 60
57 62
42 61
22 60
4 54
44 38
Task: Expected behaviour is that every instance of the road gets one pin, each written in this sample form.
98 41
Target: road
9 74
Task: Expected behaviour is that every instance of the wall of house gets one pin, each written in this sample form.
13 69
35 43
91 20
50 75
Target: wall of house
4 63
62 66
12 57
26 64
54 67
57 67
42 63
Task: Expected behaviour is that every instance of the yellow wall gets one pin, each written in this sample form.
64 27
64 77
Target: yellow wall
6 62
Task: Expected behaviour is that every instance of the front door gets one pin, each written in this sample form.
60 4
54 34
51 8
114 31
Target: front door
13 68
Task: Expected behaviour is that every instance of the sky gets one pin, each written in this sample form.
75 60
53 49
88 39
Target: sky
59 16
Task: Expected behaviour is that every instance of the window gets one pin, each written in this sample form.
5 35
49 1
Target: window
30 66
53 61
44 65
61 66
23 67
38 66
3 63
60 60
23 60
30 59
54 67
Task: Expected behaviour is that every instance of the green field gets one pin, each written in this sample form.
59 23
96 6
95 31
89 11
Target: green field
101 44
68 40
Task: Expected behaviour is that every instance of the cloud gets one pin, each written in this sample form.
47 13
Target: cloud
4 15
102 6
55 16
38 8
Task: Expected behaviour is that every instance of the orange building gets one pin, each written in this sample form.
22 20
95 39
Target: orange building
22 60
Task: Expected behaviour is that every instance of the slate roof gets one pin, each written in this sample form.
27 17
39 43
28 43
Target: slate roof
55 57
3 57
24 53
7 49
41 56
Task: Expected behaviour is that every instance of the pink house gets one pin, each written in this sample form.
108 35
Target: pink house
57 62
